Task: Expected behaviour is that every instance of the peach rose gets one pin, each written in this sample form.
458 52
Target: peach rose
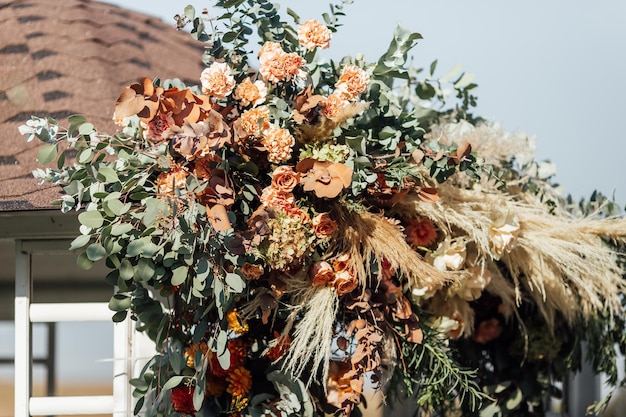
284 179
217 80
313 34
323 226
321 273
345 282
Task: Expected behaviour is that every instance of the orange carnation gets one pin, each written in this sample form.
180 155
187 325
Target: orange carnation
217 80
251 93
239 382
313 34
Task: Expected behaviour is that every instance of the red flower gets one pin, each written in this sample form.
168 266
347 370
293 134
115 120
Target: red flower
182 399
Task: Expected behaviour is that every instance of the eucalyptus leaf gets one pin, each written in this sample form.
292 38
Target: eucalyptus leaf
47 154
120 302
79 242
179 275
173 382
95 252
83 261
92 219
235 282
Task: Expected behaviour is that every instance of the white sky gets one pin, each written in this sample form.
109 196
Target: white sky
553 69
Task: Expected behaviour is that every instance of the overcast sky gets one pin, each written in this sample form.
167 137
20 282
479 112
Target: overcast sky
553 69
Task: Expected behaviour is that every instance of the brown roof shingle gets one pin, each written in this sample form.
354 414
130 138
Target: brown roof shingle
63 57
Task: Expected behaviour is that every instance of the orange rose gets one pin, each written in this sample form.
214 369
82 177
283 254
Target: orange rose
345 282
341 262
284 179
323 226
321 273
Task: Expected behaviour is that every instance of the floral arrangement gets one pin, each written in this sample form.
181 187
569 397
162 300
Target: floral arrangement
292 230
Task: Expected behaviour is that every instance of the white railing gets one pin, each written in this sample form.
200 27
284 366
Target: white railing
119 404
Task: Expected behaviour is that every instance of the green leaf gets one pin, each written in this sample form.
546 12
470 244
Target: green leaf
107 174
179 275
79 242
145 270
121 228
95 252
190 12
126 270
229 37
61 160
120 302
120 316
173 382
83 261
235 282
198 396
47 154
514 400
91 219
85 129
135 247
76 120
84 156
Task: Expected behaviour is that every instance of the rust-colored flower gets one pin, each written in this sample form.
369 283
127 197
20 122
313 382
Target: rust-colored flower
217 80
251 271
278 142
420 231
341 262
158 129
238 353
343 388
215 385
235 323
284 179
182 399
239 382
324 178
278 346
313 34
345 281
352 82
249 92
201 139
323 226
321 273
140 98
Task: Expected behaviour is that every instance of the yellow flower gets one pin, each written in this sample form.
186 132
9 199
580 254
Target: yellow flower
217 80
191 350
278 142
239 382
251 93
313 34
234 322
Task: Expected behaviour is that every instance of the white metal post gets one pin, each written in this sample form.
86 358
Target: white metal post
23 331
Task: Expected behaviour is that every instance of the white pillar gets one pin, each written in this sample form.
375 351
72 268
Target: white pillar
23 332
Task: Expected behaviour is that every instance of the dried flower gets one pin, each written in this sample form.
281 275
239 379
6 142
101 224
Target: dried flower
504 233
449 256
272 198
182 399
169 183
217 80
278 346
158 129
313 34
324 178
321 273
420 231
278 142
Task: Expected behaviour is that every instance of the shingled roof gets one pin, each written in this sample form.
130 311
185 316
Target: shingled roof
63 57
